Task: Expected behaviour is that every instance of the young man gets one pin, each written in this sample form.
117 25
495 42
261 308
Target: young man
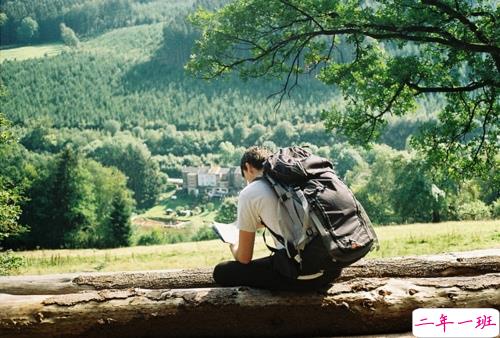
258 205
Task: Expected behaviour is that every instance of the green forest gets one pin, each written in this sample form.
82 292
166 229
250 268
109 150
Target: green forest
89 137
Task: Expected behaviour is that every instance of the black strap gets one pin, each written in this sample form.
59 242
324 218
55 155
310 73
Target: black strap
278 237
272 249
289 246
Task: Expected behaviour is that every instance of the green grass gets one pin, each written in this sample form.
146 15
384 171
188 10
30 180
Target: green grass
31 52
401 240
166 202
422 239
137 43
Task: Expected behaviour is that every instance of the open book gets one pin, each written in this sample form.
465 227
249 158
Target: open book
229 233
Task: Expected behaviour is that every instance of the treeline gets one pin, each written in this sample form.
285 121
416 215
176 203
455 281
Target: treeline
86 18
124 152
172 148
78 197
74 203
395 184
398 187
79 188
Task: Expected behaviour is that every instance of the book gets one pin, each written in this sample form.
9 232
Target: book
228 233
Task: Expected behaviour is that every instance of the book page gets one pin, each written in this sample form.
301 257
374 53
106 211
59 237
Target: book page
229 233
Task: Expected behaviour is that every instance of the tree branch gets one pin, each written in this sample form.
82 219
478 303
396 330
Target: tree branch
459 16
471 112
392 100
484 127
452 42
310 17
279 28
388 33
468 88
283 91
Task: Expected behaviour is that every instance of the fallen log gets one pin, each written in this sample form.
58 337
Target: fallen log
357 306
451 264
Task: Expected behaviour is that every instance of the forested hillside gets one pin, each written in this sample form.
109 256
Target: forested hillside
85 17
122 78
120 98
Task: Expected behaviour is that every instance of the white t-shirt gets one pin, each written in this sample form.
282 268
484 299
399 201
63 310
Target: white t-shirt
257 204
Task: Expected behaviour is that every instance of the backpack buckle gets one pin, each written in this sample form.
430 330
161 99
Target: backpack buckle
285 196
309 232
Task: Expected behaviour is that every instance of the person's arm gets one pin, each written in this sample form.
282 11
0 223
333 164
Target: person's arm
243 250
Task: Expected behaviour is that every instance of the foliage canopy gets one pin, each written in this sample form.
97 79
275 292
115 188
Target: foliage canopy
399 51
10 196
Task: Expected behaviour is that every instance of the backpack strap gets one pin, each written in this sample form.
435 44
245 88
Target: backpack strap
274 234
272 249
306 222
290 203
289 247
287 201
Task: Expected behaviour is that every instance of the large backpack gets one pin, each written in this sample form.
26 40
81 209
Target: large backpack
321 221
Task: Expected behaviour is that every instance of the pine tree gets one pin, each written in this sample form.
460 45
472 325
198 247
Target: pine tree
120 228
73 200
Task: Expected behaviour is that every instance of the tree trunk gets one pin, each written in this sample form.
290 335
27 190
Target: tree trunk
357 306
454 264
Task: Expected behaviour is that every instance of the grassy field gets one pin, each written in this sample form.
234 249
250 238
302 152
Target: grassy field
186 202
401 240
31 52
167 227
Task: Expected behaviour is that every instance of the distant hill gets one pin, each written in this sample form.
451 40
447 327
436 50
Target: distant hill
87 17
134 75
120 75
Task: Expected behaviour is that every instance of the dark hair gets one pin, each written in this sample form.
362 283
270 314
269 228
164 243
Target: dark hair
255 156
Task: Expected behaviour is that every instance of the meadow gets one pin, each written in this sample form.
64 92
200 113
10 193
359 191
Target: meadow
31 52
395 240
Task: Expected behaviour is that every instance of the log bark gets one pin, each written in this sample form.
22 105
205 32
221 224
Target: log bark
452 264
357 306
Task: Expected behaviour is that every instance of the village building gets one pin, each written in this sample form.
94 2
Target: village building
213 182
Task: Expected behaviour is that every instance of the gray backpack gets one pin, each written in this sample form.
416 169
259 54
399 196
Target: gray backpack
321 222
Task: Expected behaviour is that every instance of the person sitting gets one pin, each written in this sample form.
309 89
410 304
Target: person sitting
259 205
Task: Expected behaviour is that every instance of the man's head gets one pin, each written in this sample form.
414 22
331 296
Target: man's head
252 162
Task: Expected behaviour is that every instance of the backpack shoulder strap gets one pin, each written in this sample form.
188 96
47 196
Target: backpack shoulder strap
288 246
278 237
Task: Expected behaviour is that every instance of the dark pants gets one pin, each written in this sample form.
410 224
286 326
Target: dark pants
259 273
